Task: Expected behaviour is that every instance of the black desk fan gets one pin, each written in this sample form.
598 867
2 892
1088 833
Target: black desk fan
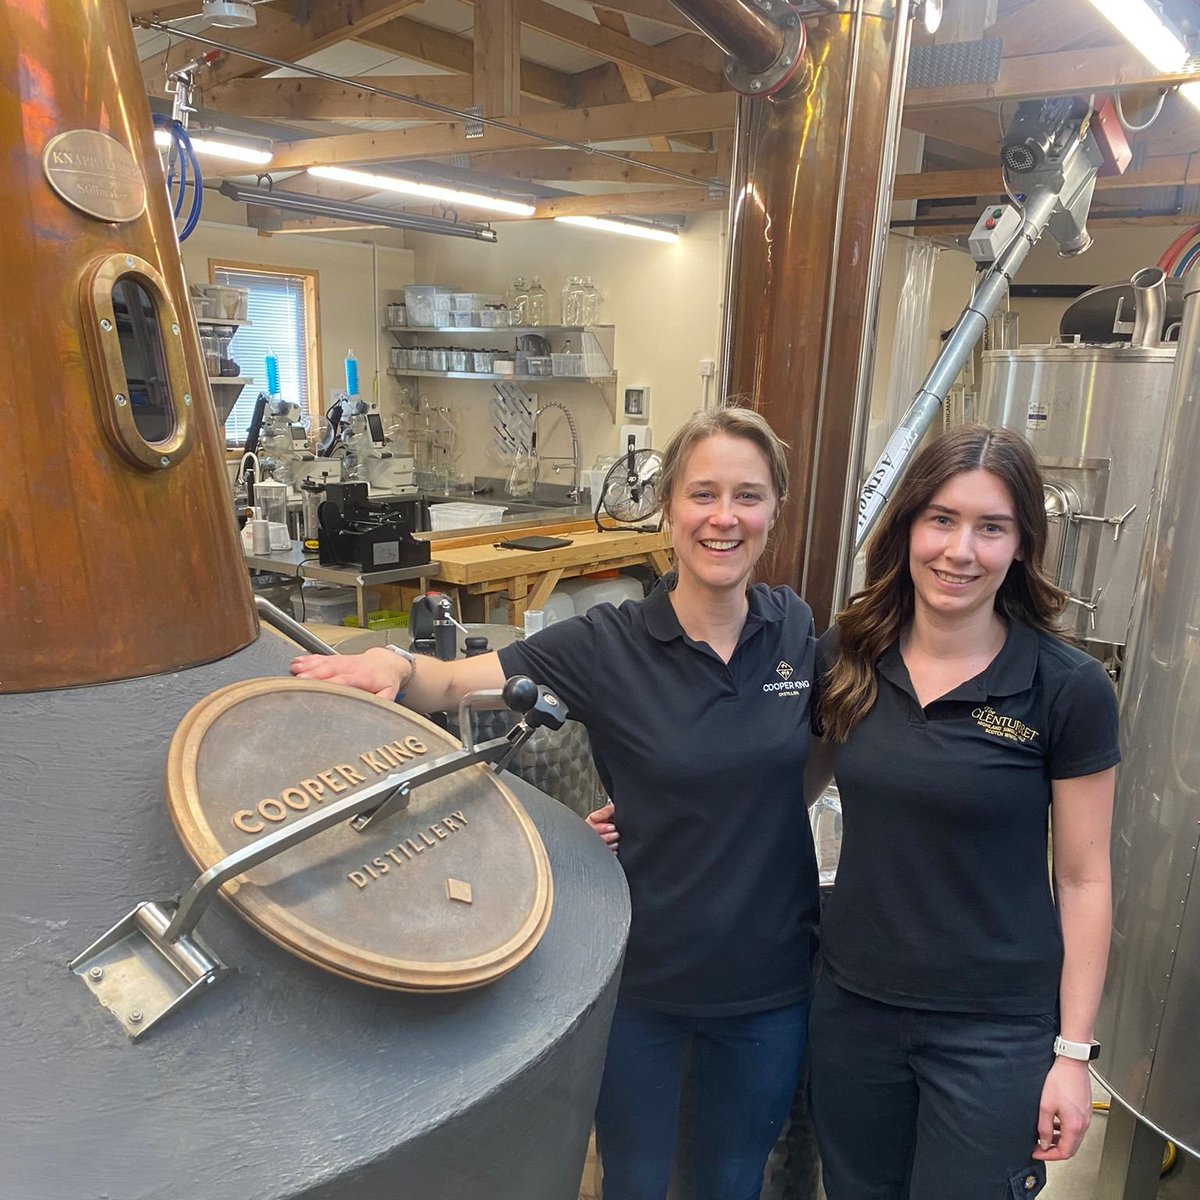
629 494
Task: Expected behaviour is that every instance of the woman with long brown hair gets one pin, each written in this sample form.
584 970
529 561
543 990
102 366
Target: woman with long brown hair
952 1026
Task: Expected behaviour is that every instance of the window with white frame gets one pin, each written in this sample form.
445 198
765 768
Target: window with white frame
282 312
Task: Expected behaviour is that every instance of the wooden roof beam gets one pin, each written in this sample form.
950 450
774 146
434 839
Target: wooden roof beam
297 98
688 114
606 43
629 204
437 48
1169 171
637 84
497 58
577 165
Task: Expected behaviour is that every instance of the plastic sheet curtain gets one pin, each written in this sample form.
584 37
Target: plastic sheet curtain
910 343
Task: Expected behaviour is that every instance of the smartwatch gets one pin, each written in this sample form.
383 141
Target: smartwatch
1080 1051
410 658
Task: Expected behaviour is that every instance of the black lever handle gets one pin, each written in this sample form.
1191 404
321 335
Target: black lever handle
538 705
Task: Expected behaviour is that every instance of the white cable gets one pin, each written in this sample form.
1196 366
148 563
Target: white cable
1137 128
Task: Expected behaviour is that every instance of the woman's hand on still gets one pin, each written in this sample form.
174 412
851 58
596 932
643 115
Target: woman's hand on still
1065 1111
377 670
602 822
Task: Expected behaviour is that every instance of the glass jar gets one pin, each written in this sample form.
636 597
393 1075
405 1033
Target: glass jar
536 310
458 359
518 302
482 361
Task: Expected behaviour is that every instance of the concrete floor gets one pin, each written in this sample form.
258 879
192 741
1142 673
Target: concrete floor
1076 1179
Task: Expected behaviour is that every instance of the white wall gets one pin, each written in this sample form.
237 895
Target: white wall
664 300
350 316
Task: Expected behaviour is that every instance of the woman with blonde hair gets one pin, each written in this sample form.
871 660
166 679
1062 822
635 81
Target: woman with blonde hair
952 1024
688 697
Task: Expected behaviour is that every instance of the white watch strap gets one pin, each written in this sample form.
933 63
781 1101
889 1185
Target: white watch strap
400 650
1080 1051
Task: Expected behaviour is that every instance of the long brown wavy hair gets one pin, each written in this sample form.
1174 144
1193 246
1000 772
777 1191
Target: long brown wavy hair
874 617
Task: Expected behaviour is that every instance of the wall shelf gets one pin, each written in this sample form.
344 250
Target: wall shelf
516 329
602 340
485 376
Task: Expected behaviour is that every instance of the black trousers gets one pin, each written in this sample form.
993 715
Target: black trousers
911 1104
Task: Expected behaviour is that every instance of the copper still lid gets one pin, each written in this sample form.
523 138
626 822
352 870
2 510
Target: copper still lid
449 893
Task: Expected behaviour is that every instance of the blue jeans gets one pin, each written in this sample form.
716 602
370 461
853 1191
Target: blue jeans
745 1073
911 1103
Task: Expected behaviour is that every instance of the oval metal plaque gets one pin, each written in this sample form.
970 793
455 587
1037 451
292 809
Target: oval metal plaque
450 893
95 174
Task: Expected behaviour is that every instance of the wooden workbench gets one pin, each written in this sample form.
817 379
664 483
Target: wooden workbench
527 577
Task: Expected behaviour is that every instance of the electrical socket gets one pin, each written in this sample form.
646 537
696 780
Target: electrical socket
708 367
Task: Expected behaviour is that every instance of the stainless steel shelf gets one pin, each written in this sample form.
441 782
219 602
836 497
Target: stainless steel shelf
493 328
484 376
240 380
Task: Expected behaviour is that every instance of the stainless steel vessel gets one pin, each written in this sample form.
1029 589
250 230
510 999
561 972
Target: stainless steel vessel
1094 415
1151 1006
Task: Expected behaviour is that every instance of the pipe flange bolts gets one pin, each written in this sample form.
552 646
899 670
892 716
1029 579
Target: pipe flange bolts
787 64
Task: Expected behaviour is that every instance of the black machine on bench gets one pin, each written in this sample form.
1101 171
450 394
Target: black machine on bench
369 534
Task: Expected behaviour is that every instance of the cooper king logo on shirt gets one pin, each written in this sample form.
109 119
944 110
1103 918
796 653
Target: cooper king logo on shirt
787 686
990 721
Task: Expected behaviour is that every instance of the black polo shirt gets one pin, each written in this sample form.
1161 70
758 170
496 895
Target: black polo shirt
705 764
943 898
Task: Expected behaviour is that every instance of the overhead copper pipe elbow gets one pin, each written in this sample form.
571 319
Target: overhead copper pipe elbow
741 29
763 44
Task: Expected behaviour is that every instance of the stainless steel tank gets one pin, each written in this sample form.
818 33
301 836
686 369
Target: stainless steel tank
1151 1007
1094 415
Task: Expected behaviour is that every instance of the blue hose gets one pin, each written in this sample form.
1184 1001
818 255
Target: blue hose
1181 267
182 153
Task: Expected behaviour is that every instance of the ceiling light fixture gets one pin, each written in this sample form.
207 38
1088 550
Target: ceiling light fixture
424 191
344 210
1143 27
218 149
653 233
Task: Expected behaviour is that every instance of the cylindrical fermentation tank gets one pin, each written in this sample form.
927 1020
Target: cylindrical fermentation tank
1151 1006
1094 415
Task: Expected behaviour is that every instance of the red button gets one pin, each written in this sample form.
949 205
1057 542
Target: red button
990 223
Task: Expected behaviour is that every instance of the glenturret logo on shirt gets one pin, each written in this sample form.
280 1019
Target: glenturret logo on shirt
786 685
1009 728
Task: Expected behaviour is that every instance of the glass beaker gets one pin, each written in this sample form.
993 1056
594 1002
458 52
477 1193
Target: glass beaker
271 498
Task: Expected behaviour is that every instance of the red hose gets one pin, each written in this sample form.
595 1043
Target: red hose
1167 261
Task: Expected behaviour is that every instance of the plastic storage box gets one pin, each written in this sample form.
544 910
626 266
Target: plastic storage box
585 593
455 515
323 604
428 305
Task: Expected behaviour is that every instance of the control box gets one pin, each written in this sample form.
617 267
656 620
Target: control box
993 231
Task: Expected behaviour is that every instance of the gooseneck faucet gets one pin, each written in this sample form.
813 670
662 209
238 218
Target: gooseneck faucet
560 459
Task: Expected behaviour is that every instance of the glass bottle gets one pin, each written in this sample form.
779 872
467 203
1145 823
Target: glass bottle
535 311
518 302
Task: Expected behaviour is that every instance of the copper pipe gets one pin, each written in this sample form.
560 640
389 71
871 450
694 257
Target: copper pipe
114 565
739 28
809 203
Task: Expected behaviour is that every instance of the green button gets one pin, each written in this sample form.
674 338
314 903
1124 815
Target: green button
997 212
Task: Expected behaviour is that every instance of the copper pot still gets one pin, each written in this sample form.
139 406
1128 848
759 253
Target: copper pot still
814 161
119 547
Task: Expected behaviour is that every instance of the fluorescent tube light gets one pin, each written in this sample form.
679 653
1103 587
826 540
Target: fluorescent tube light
344 210
653 233
425 191
218 149
1144 29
